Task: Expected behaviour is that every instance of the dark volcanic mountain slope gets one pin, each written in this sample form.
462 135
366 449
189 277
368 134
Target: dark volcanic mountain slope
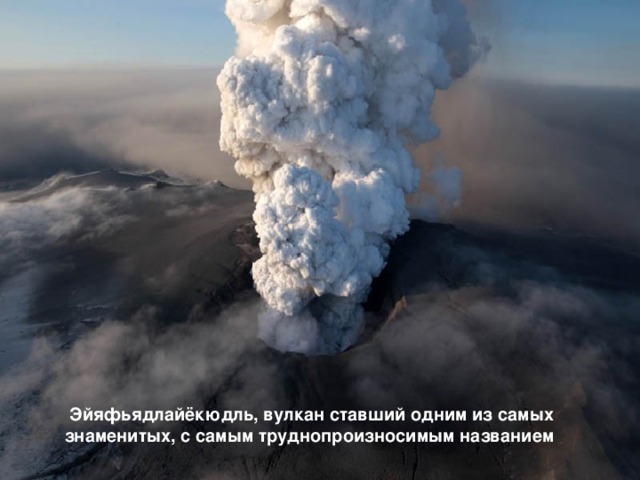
457 321
85 249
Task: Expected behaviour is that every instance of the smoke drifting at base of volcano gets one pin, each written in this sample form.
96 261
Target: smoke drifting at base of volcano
318 107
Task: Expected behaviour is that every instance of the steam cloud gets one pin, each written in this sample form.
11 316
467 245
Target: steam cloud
318 107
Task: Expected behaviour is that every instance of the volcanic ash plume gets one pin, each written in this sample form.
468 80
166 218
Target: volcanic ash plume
318 106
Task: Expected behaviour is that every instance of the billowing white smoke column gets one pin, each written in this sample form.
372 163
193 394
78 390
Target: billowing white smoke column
318 106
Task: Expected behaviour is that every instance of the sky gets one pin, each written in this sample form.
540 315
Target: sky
575 42
578 42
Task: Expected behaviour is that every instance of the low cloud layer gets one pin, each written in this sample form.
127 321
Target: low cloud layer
27 227
82 121
529 156
543 157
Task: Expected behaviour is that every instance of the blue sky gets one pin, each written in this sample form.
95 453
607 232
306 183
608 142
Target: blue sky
587 42
590 42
